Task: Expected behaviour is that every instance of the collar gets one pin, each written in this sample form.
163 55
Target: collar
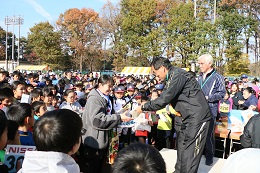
167 76
208 74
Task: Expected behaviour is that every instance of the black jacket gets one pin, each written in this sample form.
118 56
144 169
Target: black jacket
183 92
238 96
251 136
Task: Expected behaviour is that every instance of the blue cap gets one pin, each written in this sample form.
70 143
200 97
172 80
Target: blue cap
119 89
130 87
244 76
159 86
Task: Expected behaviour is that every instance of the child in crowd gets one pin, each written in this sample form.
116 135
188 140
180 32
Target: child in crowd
164 128
15 77
70 102
22 113
143 121
3 140
13 133
29 88
55 102
55 145
18 90
13 138
39 109
47 96
154 116
118 103
79 90
6 98
139 158
225 105
36 94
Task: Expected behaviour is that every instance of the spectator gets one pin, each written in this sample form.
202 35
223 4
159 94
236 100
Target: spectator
250 101
139 158
246 160
236 95
3 140
39 109
70 103
251 135
57 136
3 80
13 133
47 96
36 94
212 85
67 78
22 113
6 98
18 89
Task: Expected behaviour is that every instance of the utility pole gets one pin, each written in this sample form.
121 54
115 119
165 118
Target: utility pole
195 9
215 10
20 22
6 44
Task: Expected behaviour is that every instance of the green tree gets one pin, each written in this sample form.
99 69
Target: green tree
45 43
188 36
140 30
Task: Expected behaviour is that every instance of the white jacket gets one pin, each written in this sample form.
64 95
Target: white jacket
48 162
245 160
76 107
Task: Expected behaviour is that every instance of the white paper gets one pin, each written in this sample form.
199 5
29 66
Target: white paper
26 98
163 118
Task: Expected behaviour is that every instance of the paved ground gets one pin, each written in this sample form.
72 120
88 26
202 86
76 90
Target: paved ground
170 157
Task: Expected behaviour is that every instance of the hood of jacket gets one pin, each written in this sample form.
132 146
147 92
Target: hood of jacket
47 162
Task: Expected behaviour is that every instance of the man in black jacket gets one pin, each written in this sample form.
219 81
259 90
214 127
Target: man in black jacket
251 135
183 92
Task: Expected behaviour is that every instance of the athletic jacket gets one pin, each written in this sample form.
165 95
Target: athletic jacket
213 86
183 92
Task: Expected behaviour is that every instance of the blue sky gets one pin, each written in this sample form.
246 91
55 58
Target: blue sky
35 11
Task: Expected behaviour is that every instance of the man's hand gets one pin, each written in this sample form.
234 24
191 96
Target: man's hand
125 118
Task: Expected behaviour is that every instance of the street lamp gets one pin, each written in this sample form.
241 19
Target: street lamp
13 21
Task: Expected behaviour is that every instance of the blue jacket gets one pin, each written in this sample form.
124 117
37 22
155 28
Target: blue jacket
213 86
251 100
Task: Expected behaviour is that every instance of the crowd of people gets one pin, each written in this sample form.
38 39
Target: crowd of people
81 116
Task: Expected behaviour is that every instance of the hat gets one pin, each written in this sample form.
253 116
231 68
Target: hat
130 87
138 96
159 86
244 76
78 83
51 73
89 87
119 89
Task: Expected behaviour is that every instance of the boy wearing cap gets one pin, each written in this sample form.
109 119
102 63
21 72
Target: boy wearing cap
159 88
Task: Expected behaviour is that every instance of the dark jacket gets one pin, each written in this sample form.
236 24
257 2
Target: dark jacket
183 92
251 135
97 122
251 100
213 86
238 96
